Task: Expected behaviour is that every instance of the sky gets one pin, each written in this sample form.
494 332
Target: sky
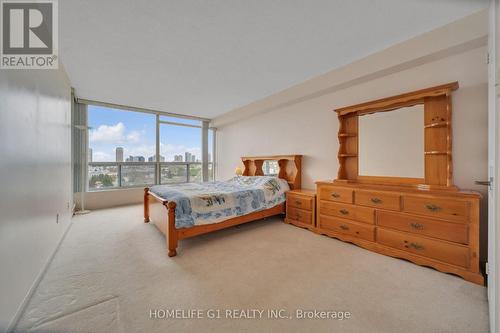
135 132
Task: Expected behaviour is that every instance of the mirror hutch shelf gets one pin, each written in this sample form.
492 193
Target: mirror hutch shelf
437 137
428 220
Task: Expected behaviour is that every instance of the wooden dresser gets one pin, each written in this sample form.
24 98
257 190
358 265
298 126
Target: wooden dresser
301 208
430 228
394 192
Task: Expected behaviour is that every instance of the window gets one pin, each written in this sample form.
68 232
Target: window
171 174
102 176
181 145
137 175
122 149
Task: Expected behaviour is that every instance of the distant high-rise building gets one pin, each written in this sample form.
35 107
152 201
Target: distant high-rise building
209 158
187 156
119 154
153 159
193 158
135 159
89 155
177 158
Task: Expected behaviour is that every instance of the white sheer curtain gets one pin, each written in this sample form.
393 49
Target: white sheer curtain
80 146
204 150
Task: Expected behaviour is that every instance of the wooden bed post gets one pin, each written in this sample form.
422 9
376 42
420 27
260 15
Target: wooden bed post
146 204
172 232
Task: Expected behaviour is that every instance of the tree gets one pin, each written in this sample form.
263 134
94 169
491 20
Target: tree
101 179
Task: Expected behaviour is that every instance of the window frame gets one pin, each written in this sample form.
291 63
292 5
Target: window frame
157 164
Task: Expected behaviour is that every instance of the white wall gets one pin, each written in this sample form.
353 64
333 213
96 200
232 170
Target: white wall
35 178
300 119
494 151
310 127
111 198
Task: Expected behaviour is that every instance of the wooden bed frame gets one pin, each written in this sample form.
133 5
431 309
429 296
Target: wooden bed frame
162 212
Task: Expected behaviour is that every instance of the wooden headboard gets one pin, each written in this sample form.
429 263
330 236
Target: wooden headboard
289 168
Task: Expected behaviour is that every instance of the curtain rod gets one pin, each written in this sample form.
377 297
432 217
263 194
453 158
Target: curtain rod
133 108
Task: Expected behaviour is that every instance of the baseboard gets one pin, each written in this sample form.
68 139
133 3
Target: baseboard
22 307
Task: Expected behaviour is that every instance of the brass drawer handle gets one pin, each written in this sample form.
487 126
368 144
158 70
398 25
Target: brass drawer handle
416 246
298 216
344 211
432 207
376 200
335 195
417 226
344 227
298 203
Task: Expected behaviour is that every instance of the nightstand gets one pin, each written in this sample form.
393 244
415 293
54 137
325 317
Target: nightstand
301 208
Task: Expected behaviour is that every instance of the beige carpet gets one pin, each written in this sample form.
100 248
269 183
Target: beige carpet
112 269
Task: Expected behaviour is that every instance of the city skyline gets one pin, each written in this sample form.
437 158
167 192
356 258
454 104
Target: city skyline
119 154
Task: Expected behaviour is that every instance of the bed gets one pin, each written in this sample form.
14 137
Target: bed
186 210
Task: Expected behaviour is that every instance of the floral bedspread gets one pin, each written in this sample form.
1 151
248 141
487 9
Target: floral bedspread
213 202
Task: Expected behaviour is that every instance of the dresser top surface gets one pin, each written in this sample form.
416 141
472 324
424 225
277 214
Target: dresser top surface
403 189
310 193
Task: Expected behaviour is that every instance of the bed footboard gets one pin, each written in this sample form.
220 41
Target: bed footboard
162 213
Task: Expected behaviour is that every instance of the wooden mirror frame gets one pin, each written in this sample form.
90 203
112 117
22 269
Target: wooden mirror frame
437 138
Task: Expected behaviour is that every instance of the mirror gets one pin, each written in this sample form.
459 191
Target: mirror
391 143
270 168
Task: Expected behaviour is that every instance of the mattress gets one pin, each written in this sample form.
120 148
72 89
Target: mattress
214 202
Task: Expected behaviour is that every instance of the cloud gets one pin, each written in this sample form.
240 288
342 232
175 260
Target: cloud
114 134
108 134
133 137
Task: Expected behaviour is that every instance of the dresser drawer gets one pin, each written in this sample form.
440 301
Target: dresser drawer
347 227
454 232
337 194
300 215
376 199
352 212
449 209
438 250
299 201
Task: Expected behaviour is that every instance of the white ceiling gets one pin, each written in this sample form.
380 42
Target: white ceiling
206 58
